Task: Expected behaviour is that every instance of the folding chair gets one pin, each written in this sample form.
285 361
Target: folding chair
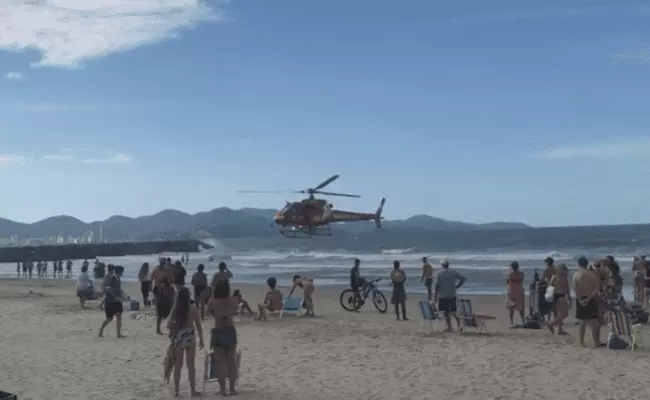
470 319
291 305
619 324
210 368
428 314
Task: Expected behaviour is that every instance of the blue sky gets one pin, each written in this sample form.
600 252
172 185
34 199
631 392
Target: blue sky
467 110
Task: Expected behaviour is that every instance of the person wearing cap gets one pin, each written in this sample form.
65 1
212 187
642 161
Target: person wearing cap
427 277
586 286
447 283
516 298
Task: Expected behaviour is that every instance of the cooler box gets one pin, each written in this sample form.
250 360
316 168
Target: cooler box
134 305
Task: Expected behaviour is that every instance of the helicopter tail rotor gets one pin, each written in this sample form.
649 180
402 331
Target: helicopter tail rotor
378 216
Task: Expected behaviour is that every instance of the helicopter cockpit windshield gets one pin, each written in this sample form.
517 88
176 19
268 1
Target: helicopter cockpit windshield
285 209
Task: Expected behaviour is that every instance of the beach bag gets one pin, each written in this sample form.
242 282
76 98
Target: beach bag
7 396
549 296
532 323
615 342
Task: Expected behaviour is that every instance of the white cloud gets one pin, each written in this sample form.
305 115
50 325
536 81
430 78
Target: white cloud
639 56
117 158
8 158
14 76
628 148
68 32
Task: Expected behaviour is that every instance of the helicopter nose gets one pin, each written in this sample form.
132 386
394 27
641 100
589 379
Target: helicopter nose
278 219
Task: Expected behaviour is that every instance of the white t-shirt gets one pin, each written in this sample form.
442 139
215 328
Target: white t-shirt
84 282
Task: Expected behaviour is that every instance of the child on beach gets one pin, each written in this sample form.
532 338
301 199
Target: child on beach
242 304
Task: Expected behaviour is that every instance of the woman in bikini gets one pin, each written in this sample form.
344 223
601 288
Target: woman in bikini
184 325
307 286
562 298
223 307
516 299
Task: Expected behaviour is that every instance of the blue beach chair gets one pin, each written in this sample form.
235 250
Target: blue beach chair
291 305
428 314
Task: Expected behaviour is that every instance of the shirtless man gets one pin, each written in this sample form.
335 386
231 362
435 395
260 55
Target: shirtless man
272 300
307 285
427 277
586 285
200 284
223 274
159 278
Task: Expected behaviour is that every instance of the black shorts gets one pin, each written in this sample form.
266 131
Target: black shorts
588 311
428 283
447 306
198 290
113 308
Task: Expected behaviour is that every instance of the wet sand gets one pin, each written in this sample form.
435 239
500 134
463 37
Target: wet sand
50 350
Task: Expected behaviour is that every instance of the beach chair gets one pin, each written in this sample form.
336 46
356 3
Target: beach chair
291 305
620 326
470 319
210 368
428 315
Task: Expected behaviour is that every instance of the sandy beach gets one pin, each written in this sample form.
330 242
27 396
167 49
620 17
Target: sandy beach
50 350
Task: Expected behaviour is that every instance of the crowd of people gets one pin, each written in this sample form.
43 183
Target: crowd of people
594 284
25 269
186 309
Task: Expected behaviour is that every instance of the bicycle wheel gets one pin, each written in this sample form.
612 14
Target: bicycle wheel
379 301
347 300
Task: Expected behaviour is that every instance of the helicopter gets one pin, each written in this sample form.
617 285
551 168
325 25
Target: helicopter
312 217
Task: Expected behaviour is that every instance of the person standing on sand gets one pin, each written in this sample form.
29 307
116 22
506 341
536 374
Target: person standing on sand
184 325
223 274
586 286
179 275
223 341
448 282
427 277
85 289
562 296
307 286
145 283
200 284
398 278
113 302
356 284
516 299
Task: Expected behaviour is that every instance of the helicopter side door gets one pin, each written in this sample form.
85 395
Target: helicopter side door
328 212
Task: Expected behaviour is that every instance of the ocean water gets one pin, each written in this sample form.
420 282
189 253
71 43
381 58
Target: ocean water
485 271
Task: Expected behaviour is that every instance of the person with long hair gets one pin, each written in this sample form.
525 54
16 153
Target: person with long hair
515 297
145 283
184 325
562 298
223 342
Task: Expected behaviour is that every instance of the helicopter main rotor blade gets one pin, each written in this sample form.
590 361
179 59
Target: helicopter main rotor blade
262 191
338 194
327 182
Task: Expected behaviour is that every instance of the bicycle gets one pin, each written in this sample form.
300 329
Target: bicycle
350 299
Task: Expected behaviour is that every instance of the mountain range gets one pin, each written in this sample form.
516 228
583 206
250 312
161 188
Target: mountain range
221 223
251 228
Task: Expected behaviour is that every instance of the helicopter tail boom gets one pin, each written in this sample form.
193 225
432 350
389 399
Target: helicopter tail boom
378 216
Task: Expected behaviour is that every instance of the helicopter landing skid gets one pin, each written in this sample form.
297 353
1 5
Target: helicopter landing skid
301 232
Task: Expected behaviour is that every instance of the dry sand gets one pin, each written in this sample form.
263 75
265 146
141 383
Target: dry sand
50 350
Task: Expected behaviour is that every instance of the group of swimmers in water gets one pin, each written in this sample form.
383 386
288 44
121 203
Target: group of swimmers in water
25 269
